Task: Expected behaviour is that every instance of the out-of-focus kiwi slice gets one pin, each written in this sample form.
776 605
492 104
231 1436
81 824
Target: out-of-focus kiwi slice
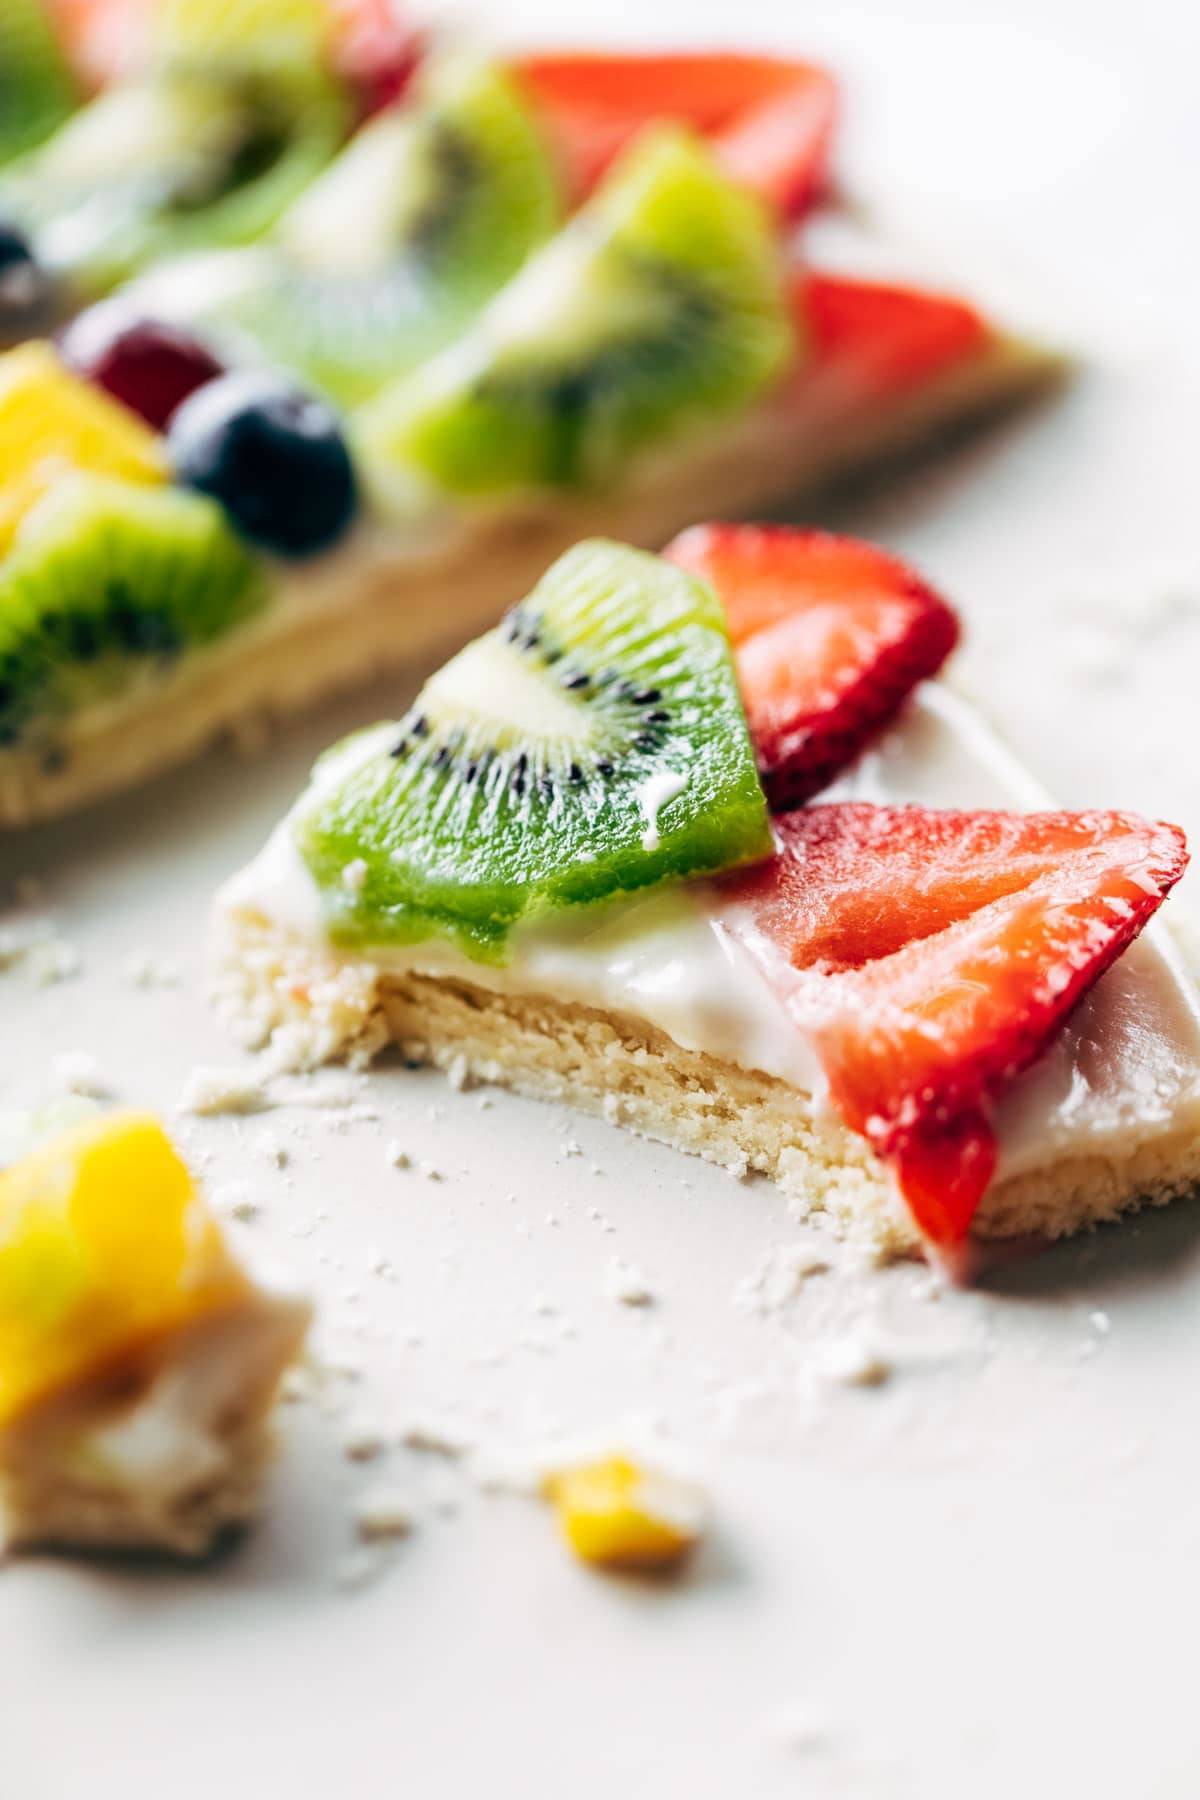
179 160
36 89
658 308
395 247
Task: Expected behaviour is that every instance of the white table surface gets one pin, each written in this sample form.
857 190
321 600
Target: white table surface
978 1579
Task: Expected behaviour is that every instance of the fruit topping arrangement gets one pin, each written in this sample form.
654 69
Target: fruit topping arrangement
594 746
658 309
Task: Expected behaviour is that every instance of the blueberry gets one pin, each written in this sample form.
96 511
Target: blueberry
273 456
24 284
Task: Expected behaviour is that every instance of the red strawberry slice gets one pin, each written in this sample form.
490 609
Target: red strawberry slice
770 121
891 338
938 954
830 636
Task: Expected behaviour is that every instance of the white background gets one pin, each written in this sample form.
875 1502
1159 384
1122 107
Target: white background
979 1579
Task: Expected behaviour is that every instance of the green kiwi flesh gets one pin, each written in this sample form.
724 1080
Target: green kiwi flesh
36 90
156 167
658 308
593 744
108 580
386 258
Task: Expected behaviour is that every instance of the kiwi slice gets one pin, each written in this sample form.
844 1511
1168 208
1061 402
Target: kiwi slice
36 91
155 167
391 252
592 744
283 39
106 579
658 307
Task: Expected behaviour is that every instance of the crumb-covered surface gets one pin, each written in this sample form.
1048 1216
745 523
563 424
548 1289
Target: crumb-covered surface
953 1535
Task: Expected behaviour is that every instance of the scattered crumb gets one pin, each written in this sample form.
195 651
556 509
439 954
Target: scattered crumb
268 1146
854 1363
363 1442
430 1171
624 1282
779 1278
459 1073
80 1073
397 1155
237 1199
571 1148
145 970
210 1091
1100 1322
54 960
436 1437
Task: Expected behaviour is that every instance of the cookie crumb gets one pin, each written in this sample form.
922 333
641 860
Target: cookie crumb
626 1284
211 1091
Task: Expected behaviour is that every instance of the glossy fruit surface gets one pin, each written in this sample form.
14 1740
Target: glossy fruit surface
272 455
830 635
593 744
52 422
150 365
937 955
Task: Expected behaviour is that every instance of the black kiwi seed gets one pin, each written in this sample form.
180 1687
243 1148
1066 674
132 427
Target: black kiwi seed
577 681
646 696
658 718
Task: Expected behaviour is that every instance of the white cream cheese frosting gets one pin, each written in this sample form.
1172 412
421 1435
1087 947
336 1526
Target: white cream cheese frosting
1127 1063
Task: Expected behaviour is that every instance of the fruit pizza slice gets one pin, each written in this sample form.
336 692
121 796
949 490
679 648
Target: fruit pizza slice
919 1010
441 368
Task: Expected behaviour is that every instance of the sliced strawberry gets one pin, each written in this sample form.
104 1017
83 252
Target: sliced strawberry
891 338
830 636
938 955
770 121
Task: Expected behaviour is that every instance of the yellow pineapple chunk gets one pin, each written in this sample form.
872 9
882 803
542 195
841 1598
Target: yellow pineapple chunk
615 1514
51 421
103 1242
138 1361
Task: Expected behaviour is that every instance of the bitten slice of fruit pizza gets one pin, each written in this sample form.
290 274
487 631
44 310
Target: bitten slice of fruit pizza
347 353
580 866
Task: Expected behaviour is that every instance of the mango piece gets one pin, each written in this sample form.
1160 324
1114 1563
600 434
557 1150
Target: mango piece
105 1244
51 421
615 1514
